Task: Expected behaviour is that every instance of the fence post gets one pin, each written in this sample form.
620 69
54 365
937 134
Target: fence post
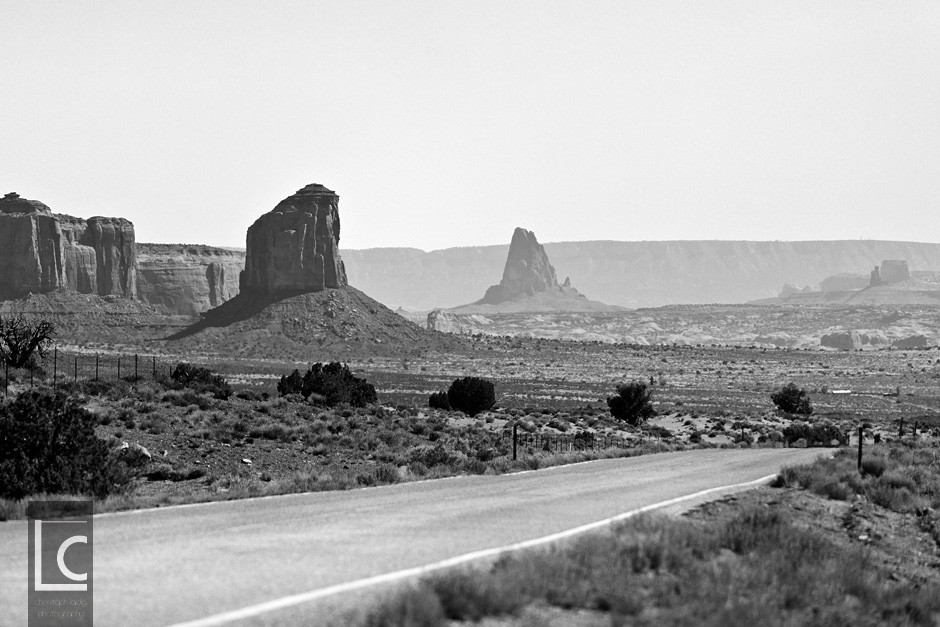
154 366
861 431
914 432
901 428
514 440
135 366
6 378
96 366
119 367
55 365
75 373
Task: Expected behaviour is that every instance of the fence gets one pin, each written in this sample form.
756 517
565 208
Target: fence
563 443
59 367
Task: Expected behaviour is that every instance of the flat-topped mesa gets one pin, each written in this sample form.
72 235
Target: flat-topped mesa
41 252
295 247
527 271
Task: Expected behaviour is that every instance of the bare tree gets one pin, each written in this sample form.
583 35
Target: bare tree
22 337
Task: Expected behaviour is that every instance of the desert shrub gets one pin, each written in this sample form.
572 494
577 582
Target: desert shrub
412 607
632 403
873 466
471 395
162 471
330 384
431 456
200 380
822 433
248 395
48 444
792 400
291 384
438 400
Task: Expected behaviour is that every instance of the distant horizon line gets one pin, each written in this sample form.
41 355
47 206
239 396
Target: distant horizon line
585 241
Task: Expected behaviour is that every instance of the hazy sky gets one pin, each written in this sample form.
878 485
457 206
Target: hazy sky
450 123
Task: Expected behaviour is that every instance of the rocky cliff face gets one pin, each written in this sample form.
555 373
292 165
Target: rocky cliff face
295 247
187 279
41 252
31 248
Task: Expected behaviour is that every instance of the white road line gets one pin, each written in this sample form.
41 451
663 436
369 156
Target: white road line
312 595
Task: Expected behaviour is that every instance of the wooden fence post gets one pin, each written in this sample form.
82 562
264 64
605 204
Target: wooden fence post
96 366
514 440
861 431
55 365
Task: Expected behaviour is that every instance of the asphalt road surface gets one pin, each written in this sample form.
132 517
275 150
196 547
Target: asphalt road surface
179 564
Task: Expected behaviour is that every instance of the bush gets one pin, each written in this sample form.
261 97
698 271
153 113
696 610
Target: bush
471 395
291 384
438 400
335 384
792 400
201 380
48 445
633 403
821 434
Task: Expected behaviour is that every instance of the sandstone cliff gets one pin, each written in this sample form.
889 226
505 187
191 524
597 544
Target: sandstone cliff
41 252
295 247
31 248
187 279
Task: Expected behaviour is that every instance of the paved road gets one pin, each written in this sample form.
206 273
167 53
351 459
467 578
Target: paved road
157 567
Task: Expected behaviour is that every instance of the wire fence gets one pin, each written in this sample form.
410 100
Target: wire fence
59 367
564 443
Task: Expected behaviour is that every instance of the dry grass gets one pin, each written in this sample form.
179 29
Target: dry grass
757 567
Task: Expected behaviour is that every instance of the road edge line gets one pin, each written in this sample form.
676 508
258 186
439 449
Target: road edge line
399 575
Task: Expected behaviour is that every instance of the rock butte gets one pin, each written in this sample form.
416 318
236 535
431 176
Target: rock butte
294 248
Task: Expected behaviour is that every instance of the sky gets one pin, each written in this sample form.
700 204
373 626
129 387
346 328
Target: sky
446 124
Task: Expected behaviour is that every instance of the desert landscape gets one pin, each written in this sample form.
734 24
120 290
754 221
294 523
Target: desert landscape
429 314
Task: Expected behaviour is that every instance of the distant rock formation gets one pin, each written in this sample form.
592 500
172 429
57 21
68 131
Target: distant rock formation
914 341
41 252
631 274
527 271
295 247
843 340
891 271
187 279
529 284
445 322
